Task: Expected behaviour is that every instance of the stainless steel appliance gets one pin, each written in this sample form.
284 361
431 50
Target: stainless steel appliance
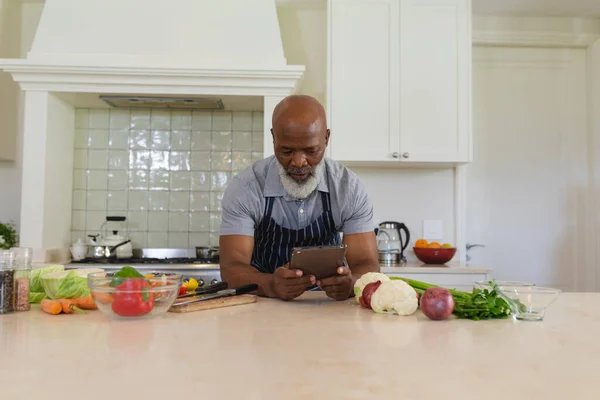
390 243
112 246
184 261
207 252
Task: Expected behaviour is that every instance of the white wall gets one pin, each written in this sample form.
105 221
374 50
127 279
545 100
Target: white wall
411 195
10 25
594 98
10 172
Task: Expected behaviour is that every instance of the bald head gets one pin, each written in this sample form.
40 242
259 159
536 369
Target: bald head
298 110
300 135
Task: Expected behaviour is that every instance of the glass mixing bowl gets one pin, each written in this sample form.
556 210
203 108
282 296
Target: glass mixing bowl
134 297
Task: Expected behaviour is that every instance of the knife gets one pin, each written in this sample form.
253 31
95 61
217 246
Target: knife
221 293
215 287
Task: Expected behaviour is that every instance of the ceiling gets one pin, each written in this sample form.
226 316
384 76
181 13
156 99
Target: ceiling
558 8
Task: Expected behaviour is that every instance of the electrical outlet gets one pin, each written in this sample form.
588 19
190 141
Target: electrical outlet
433 229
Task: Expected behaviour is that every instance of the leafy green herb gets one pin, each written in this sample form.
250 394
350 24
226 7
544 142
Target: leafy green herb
477 305
8 235
125 272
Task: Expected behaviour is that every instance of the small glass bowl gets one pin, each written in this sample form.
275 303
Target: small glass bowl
529 303
486 284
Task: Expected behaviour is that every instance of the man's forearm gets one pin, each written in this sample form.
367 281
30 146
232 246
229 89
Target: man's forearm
239 274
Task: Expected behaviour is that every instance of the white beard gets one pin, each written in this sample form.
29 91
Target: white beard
301 190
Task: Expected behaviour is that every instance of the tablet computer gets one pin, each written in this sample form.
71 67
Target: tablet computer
320 261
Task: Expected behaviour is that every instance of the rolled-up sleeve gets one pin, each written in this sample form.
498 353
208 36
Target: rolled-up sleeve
238 214
358 214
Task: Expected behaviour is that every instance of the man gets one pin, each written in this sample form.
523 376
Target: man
292 199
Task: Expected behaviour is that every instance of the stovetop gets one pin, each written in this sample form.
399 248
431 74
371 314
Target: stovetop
148 260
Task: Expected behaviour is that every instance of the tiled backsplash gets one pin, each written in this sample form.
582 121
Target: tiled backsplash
166 171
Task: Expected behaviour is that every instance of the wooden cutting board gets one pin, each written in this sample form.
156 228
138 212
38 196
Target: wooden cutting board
214 303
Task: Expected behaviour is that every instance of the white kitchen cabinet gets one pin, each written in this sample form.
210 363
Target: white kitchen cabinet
399 80
460 278
364 78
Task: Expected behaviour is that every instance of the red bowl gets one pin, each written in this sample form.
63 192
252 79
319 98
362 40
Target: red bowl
434 256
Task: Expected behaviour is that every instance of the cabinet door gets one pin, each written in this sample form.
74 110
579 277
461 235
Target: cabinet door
435 80
363 79
459 281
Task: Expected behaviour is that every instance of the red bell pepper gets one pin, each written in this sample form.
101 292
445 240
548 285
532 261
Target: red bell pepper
182 290
133 298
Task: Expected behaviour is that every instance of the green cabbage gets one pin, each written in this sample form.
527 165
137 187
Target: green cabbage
36 288
68 284
35 283
37 297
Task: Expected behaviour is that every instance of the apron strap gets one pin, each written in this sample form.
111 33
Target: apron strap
269 207
326 201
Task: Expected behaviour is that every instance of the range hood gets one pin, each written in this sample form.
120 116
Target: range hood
191 51
175 47
174 33
169 103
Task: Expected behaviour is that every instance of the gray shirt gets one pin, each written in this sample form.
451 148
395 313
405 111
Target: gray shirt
245 197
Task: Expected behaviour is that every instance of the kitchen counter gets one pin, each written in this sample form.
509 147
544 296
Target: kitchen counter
452 275
311 348
410 267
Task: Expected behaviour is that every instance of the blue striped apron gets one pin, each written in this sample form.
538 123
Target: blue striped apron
273 243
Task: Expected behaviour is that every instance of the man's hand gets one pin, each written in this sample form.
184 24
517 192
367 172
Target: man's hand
338 287
289 283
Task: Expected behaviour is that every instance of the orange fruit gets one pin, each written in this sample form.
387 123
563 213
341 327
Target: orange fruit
447 246
434 245
421 243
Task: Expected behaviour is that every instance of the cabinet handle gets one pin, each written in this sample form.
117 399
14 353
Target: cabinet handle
405 155
396 155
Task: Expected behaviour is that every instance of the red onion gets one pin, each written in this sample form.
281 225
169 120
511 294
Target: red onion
370 288
361 300
437 303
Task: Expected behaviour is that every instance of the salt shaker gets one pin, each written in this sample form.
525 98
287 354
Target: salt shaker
7 282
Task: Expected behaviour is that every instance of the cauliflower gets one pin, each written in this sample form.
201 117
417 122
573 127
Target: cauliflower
395 296
365 280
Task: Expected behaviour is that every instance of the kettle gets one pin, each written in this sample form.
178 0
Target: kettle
390 243
113 246
122 245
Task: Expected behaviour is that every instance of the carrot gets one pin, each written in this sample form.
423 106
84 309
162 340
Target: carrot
69 306
51 306
86 303
102 297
